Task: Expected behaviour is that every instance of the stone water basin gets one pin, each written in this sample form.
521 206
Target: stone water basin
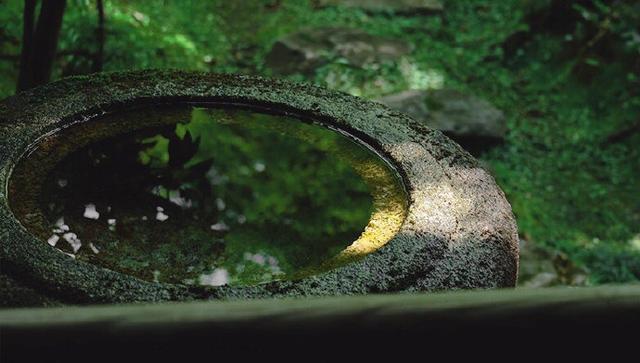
167 185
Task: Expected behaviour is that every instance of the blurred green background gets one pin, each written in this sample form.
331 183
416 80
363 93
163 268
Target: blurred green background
555 83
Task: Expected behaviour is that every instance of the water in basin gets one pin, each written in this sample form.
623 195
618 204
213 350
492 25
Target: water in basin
209 196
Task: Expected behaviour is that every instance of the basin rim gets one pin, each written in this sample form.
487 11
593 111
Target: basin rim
459 231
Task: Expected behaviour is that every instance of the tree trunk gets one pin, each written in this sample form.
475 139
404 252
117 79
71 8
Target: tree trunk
41 44
99 57
24 75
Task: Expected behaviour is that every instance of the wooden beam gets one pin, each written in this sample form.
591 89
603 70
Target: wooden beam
350 326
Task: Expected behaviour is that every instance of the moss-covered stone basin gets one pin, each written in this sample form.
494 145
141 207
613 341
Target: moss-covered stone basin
166 185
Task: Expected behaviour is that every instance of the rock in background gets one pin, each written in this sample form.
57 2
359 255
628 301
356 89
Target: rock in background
396 6
540 267
305 51
473 122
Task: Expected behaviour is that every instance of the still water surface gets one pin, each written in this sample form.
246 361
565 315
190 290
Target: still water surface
207 196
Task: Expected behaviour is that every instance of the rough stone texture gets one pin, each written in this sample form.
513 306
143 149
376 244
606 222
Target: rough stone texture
467 119
15 294
459 231
396 6
304 51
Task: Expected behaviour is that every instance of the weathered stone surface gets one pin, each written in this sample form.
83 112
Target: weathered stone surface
15 294
466 118
309 49
459 231
398 6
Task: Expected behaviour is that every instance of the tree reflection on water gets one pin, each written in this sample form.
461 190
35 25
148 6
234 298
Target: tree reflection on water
218 196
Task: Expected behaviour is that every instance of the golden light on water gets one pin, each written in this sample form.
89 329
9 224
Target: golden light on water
389 210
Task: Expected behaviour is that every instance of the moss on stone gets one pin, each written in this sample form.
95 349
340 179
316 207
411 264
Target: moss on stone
459 231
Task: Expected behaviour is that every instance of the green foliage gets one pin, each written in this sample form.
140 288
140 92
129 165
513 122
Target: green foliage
571 187
10 38
611 262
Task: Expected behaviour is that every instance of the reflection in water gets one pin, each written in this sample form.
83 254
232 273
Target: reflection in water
207 196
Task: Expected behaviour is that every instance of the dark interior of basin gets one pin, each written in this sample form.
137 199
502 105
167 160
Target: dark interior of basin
200 195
